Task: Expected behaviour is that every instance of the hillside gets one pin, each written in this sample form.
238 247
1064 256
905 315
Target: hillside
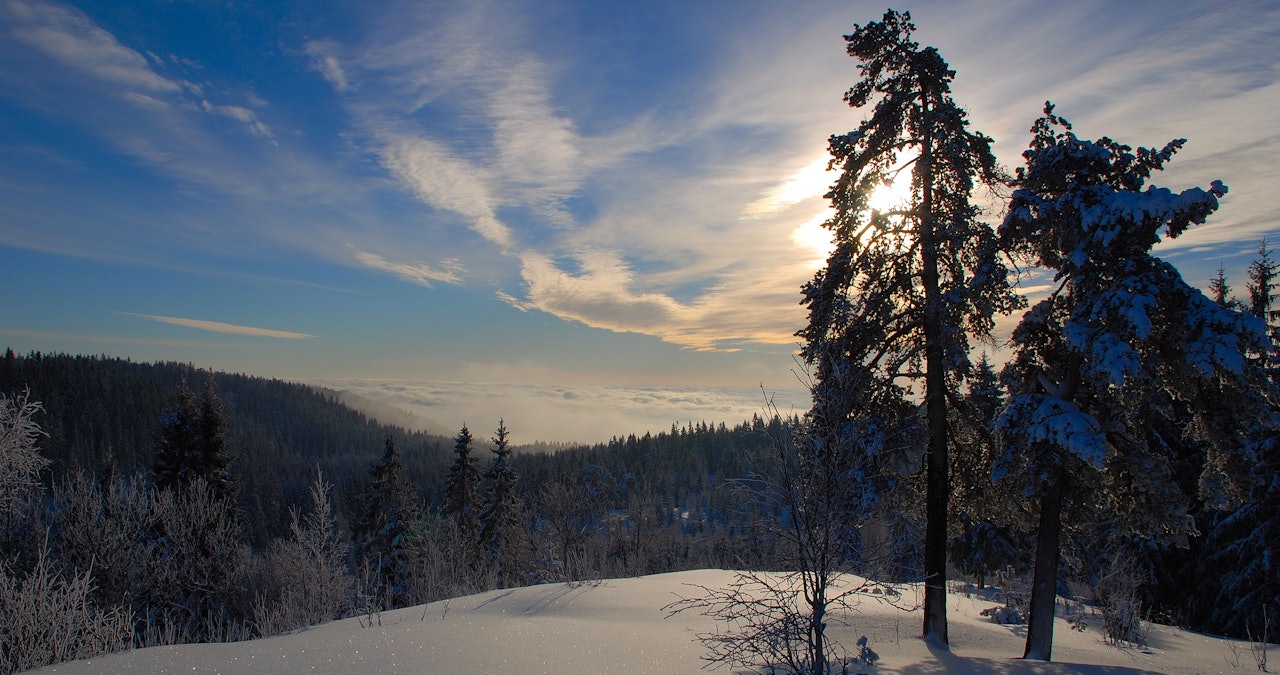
102 414
618 626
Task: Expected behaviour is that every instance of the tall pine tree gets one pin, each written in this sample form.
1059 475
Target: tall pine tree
903 289
177 457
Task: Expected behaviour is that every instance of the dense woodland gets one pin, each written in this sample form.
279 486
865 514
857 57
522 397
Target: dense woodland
1125 455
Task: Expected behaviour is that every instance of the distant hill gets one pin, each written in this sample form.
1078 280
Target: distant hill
102 413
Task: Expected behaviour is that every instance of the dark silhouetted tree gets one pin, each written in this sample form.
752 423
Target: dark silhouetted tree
501 539
389 509
192 443
462 486
1262 282
178 445
1220 290
904 289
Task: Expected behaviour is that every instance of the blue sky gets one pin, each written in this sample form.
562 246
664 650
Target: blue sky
545 193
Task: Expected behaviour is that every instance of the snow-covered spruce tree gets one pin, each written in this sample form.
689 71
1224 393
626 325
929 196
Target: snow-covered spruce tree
986 536
192 443
903 290
462 485
1245 542
383 528
502 537
1262 283
1124 360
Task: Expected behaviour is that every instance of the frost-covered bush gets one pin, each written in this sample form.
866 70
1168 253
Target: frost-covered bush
20 466
1122 615
200 568
106 527
46 617
305 576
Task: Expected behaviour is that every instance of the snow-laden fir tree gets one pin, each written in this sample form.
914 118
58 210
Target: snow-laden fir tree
988 538
192 443
903 290
384 527
501 536
462 485
1244 544
1262 283
1124 361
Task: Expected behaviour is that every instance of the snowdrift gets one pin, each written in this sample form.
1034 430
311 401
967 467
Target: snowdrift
618 626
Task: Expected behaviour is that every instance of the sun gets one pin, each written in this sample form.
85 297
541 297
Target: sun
894 196
811 236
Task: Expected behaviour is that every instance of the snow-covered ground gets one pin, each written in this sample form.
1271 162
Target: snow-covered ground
618 626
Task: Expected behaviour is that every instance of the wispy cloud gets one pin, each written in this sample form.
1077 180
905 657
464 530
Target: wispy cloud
814 180
219 327
449 271
658 258
327 63
240 114
69 37
57 59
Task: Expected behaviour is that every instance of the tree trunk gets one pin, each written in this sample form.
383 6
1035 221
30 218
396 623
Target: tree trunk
1044 584
937 481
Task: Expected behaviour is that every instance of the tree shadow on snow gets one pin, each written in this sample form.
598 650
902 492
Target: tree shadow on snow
947 662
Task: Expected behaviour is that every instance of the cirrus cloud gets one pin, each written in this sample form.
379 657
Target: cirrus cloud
219 327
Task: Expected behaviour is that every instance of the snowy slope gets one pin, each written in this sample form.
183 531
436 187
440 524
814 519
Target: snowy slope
618 626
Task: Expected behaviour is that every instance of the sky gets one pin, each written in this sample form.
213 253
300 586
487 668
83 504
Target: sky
614 196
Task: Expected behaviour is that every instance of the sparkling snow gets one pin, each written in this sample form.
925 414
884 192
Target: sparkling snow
617 626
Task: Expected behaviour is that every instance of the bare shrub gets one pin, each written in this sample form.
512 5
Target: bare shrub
105 527
807 494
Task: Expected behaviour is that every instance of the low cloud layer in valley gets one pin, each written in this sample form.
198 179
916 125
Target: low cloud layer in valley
556 413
